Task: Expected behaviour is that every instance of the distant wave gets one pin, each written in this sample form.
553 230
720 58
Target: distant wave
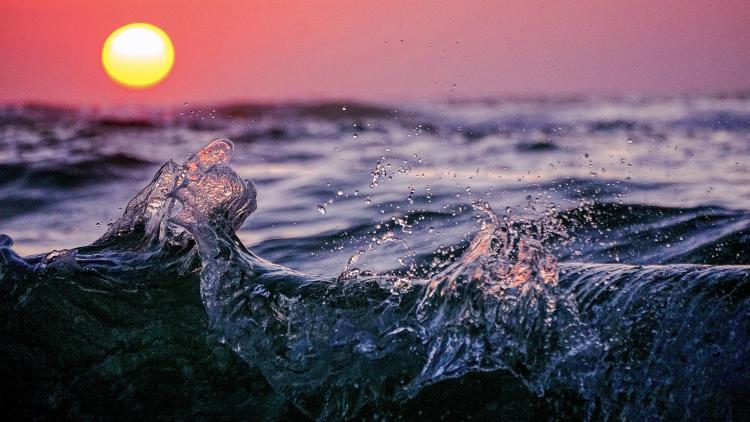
70 173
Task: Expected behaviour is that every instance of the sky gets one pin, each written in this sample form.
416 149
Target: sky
382 50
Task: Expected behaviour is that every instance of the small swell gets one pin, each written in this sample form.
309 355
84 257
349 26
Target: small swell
72 173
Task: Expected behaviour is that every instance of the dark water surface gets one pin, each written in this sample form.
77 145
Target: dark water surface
580 299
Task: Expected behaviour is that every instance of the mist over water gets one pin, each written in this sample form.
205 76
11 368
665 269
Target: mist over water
418 289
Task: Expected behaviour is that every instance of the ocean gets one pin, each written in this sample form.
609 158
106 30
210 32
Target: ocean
529 258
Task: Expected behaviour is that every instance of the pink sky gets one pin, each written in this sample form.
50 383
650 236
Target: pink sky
380 50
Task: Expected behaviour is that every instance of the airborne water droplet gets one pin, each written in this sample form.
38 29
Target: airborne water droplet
322 208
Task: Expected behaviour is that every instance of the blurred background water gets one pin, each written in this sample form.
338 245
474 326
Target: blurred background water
636 179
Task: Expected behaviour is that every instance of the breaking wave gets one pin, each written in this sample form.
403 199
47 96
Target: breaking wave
592 341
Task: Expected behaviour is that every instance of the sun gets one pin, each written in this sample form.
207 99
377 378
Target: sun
138 55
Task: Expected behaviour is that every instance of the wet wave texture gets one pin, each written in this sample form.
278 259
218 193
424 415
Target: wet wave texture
590 341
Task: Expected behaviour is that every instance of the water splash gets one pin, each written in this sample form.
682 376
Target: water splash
627 342
334 345
476 314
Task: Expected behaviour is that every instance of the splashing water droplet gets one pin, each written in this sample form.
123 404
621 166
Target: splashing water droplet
322 208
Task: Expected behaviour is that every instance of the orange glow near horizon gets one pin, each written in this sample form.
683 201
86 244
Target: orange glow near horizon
138 55
379 50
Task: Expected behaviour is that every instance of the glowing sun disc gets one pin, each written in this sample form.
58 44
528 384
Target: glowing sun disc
138 55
